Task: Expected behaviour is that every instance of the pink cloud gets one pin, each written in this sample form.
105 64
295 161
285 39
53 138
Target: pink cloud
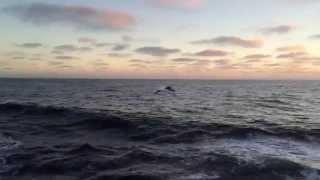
104 18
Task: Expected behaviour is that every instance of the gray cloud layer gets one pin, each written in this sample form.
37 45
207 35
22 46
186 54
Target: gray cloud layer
212 53
232 40
184 60
282 29
316 36
74 16
66 47
120 47
30 45
156 51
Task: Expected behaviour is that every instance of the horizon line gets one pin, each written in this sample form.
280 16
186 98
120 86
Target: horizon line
172 79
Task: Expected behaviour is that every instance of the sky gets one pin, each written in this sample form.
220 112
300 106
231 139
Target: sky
160 39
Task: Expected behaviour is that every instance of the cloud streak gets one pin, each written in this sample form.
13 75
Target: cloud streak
65 57
77 17
30 45
212 53
137 61
87 40
120 47
233 41
156 51
291 48
184 60
66 48
316 37
281 29
257 56
292 55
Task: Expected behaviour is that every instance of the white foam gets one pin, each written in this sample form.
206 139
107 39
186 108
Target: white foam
7 143
200 176
253 148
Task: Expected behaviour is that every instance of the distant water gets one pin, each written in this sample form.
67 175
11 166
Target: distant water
121 129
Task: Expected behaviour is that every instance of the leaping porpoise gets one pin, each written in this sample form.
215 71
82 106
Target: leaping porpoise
165 89
169 88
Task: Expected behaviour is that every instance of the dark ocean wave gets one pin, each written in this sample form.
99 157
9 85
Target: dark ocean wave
73 143
94 163
143 126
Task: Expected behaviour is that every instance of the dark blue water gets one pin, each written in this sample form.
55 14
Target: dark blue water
122 129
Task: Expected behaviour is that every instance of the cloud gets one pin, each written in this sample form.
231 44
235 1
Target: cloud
14 53
118 55
140 66
57 52
99 63
7 68
292 55
65 57
185 60
30 45
212 53
103 44
66 48
298 57
273 65
120 47
292 48
137 61
66 66
87 40
35 59
253 61
55 63
232 40
127 39
59 64
307 58
297 54
184 4
77 17
222 62
241 66
115 46
18 57
226 64
192 61
202 62
282 29
156 51
316 37
257 56
85 49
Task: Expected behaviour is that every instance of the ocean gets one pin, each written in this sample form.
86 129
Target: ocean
122 129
